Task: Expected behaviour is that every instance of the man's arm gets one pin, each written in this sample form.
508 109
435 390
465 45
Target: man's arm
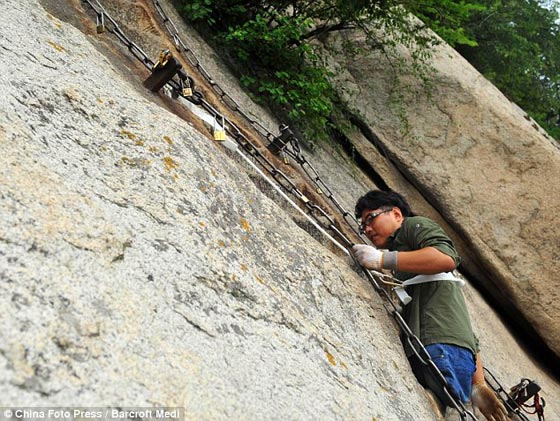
427 260
484 398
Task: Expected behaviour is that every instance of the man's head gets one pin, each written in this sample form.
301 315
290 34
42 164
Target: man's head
381 214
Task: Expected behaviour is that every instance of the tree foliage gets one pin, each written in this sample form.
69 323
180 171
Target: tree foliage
273 40
514 43
447 18
518 50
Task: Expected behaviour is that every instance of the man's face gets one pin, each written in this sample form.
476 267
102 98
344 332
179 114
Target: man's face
379 224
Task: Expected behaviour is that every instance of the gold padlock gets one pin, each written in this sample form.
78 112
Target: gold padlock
185 85
219 131
220 135
164 57
100 23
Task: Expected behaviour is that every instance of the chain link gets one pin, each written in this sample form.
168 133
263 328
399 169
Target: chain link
315 211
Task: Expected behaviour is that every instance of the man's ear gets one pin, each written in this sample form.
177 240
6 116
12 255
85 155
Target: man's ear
398 214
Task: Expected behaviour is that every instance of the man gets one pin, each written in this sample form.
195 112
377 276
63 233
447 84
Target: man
437 313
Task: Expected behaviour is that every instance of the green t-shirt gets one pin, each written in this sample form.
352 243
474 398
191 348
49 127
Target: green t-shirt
437 312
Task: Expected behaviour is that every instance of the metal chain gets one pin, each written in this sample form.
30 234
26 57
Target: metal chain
295 153
115 29
313 175
281 178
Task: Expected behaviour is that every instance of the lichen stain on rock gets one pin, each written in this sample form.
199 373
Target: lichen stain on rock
125 160
54 21
205 187
330 358
221 243
168 140
258 278
244 267
57 47
128 134
245 224
170 164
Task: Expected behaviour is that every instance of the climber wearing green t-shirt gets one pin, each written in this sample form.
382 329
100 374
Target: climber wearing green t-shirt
437 313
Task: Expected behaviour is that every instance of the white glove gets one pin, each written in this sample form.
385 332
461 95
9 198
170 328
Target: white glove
486 400
368 256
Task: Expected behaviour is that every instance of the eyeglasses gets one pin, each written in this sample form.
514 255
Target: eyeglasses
369 219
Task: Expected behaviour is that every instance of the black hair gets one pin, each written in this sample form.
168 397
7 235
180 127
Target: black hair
376 199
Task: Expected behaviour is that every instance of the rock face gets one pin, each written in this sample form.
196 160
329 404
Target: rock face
480 161
143 265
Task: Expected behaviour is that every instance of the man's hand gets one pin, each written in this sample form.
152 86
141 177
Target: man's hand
368 256
486 400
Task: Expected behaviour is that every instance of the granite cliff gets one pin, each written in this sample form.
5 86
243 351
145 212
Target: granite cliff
143 264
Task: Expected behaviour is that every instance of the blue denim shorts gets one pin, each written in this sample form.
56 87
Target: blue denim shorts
457 366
